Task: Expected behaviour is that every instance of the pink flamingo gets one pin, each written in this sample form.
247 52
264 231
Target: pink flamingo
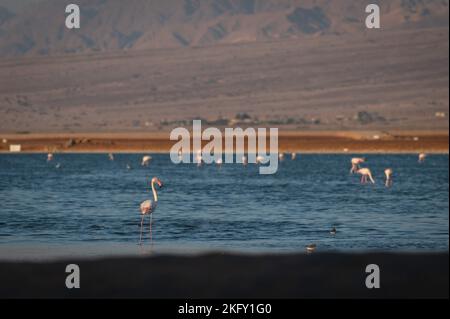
388 172
149 206
356 161
365 175
422 157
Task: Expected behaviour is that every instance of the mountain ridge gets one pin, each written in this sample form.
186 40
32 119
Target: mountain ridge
114 25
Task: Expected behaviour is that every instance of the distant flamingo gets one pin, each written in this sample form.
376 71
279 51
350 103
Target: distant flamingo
146 160
259 159
111 157
388 172
356 161
149 206
281 156
244 160
49 157
365 175
422 157
199 158
293 156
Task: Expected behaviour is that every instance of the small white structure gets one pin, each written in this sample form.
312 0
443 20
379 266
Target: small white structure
15 148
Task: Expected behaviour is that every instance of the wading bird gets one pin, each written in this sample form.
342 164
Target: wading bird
293 156
199 158
388 172
49 157
146 160
259 159
422 157
111 157
244 160
366 175
281 156
149 206
311 248
356 161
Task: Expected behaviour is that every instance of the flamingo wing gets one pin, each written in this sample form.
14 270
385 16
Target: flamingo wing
147 207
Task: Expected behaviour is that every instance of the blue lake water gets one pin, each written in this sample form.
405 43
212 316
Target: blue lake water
90 199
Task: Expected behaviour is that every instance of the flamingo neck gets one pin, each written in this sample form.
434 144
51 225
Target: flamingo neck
155 195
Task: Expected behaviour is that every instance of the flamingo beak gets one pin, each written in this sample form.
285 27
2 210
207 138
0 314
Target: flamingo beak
160 184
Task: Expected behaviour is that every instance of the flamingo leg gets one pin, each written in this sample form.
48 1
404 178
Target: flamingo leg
142 224
151 235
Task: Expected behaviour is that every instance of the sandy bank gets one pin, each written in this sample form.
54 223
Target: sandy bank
293 141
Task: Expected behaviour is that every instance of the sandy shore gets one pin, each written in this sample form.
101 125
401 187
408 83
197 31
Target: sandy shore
289 141
214 275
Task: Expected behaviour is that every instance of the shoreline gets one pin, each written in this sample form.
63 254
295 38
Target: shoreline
318 142
225 275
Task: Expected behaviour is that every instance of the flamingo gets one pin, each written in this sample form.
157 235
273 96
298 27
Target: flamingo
244 160
148 207
422 157
111 157
146 160
281 156
49 157
388 172
293 156
356 161
199 160
365 175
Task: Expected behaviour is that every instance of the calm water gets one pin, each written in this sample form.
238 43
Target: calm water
90 199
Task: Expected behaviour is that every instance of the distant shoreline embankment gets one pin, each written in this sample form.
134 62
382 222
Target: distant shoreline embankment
289 141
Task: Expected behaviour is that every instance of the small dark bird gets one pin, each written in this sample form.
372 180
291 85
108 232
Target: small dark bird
311 247
333 231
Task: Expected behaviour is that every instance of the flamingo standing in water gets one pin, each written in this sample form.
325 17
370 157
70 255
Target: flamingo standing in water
281 156
244 160
199 158
365 175
422 157
146 160
49 157
259 159
111 157
293 156
356 161
388 172
149 206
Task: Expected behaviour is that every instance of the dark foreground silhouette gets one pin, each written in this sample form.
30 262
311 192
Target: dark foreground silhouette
329 275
